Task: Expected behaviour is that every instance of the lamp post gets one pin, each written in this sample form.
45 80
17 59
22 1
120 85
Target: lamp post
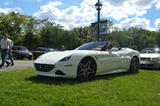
98 6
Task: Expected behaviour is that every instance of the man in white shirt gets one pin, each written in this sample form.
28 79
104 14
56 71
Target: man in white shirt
10 52
5 46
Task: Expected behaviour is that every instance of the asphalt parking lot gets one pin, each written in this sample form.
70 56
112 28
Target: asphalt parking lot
19 64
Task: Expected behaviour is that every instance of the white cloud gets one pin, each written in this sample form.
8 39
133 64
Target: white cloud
144 4
116 2
158 5
138 3
119 12
119 9
86 13
70 17
135 22
157 23
8 10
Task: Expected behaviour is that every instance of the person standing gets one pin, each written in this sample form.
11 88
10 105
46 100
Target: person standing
5 45
10 51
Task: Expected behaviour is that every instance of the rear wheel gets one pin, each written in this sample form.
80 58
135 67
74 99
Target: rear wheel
17 57
21 58
86 69
134 66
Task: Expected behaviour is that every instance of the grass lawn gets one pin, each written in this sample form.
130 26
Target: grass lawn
24 87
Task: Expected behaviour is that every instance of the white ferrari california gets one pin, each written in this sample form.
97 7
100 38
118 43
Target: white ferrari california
88 61
150 58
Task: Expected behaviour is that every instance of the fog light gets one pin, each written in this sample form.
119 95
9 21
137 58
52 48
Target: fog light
58 72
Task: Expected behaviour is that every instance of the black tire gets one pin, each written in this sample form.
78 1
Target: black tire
134 65
17 57
30 58
86 69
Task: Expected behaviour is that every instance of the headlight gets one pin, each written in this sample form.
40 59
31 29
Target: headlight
30 53
65 59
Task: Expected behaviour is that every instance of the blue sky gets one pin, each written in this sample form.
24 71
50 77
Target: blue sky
31 6
152 14
77 13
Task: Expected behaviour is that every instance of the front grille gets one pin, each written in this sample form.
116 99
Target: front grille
146 59
44 67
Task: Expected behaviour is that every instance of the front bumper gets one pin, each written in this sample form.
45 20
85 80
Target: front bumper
150 64
58 70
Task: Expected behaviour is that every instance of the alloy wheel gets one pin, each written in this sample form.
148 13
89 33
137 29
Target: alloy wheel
86 69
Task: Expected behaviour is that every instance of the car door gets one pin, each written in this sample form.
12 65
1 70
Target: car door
109 61
124 59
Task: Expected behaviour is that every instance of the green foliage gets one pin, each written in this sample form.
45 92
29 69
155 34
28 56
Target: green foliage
157 36
120 38
12 23
31 32
54 36
135 38
31 40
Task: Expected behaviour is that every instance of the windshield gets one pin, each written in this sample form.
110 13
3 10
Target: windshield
24 49
151 50
50 50
92 46
20 48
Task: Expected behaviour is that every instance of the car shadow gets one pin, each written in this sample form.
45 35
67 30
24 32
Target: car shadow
61 81
150 69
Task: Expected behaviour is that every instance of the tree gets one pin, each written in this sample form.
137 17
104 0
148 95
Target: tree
12 23
157 36
84 34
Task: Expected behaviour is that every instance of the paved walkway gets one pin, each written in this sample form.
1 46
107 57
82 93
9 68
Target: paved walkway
19 64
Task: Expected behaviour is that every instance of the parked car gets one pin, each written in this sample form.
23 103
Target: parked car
21 52
150 58
41 50
88 61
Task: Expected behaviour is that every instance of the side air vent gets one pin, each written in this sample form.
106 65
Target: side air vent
58 72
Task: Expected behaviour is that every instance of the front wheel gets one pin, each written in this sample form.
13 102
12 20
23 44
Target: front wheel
30 58
86 69
134 66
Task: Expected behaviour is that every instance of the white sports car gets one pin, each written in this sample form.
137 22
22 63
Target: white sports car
88 61
150 58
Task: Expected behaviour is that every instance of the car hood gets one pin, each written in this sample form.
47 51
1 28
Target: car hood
53 57
149 55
